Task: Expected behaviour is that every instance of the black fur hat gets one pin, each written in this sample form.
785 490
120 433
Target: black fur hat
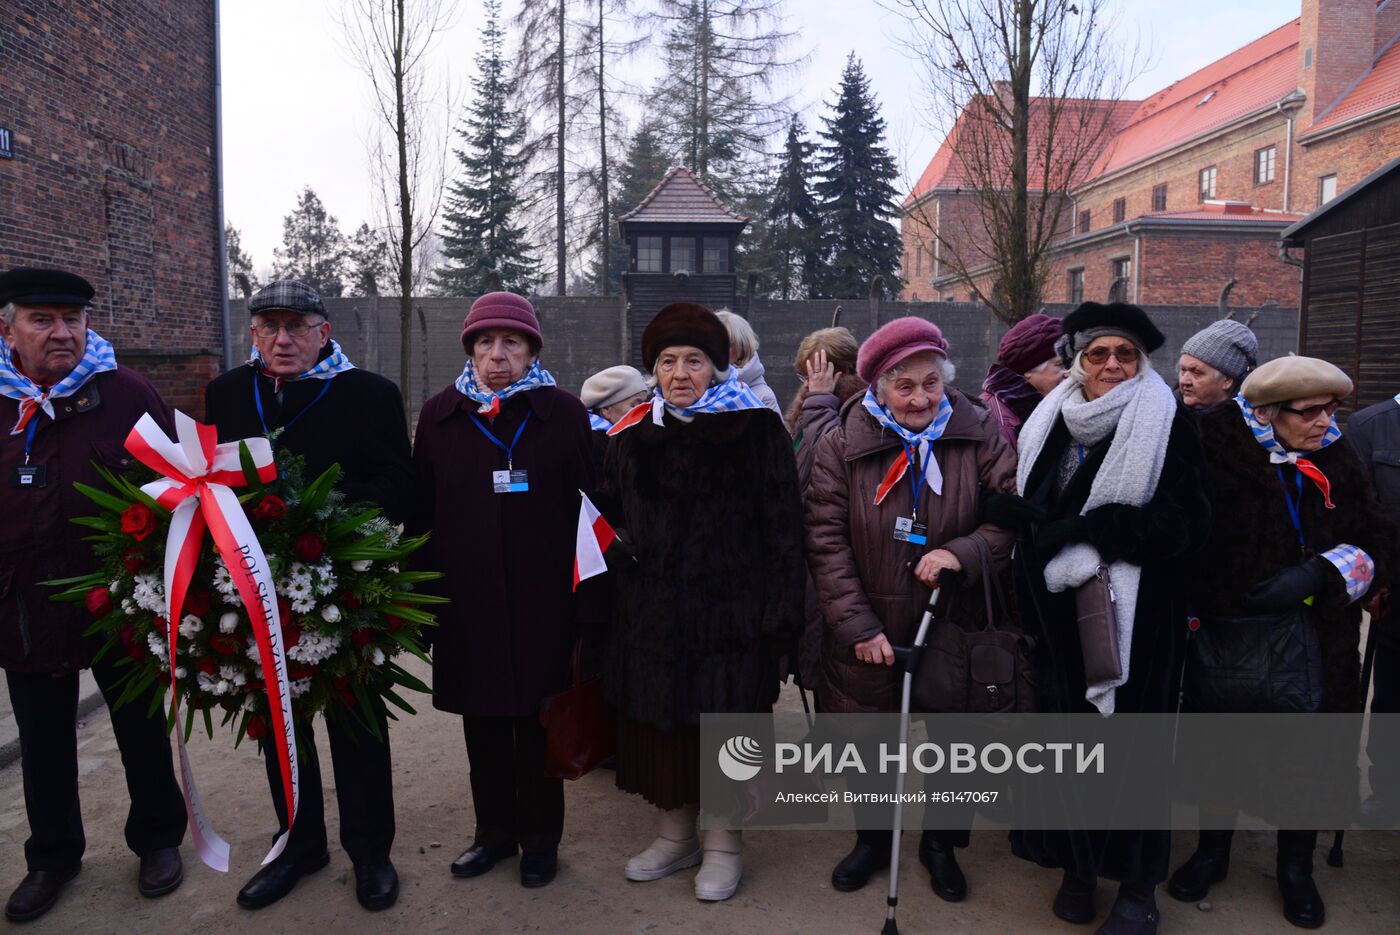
1092 319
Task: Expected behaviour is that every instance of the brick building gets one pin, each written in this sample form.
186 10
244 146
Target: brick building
1194 184
110 172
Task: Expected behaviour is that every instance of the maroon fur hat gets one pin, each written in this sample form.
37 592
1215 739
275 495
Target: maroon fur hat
686 324
1030 343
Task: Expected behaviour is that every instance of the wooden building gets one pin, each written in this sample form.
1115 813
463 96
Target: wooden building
1350 311
680 246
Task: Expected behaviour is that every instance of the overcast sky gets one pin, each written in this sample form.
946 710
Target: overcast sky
296 109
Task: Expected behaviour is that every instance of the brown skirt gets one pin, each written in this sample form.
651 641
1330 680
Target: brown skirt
662 766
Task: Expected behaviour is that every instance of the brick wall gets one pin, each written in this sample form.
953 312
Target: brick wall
1340 34
1351 155
111 107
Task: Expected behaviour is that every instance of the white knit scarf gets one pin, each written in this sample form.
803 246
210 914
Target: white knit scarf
1140 414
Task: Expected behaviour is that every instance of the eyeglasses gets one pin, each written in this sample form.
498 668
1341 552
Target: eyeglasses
297 329
1311 413
1100 355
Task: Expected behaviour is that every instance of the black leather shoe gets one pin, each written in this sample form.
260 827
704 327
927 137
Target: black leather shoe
37 893
1208 865
1130 917
161 872
1302 903
480 858
1074 901
376 885
537 868
278 879
856 868
944 873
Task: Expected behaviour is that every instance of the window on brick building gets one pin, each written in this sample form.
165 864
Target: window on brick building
918 262
1159 197
648 254
1120 209
1264 160
1122 271
1207 182
1076 286
1326 189
1083 222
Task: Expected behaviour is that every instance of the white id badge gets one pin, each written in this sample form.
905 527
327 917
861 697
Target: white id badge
509 482
906 530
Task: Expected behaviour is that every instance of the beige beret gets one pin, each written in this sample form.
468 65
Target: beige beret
1292 377
612 386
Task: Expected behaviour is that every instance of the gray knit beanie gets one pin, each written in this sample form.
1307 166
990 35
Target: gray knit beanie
1226 345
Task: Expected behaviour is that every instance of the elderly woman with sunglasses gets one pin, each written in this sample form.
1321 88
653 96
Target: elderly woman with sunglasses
1295 521
1109 475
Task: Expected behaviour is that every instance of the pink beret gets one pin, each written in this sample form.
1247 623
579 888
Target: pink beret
1030 343
897 340
502 310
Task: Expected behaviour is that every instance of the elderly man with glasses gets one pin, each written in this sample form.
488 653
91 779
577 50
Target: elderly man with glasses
301 390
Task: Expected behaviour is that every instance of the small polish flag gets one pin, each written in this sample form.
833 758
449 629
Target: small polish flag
594 537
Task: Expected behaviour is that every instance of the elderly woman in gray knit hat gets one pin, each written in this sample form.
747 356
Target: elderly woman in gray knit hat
1214 362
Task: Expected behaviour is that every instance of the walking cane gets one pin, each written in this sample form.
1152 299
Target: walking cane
909 657
1368 665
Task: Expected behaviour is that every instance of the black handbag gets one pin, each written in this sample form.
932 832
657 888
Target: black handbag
1258 664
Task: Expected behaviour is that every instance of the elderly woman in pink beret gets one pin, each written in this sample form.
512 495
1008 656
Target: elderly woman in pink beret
892 508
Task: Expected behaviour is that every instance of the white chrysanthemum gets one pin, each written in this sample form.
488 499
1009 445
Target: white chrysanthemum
205 682
190 625
376 657
361 564
225 585
252 653
305 606
129 607
315 648
157 646
228 622
300 687
194 649
330 613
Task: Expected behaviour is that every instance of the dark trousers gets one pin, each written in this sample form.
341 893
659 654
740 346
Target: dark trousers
514 802
46 710
364 791
1381 748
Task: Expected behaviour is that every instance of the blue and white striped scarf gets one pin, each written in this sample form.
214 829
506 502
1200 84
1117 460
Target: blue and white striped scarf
1264 435
730 395
325 368
98 357
598 422
921 441
534 378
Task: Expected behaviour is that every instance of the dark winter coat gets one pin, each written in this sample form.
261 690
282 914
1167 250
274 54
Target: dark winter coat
359 424
504 642
37 541
864 576
1252 537
714 598
1162 537
1374 433
816 414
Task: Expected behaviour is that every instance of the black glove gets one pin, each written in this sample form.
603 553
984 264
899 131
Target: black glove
1053 536
1286 589
1009 511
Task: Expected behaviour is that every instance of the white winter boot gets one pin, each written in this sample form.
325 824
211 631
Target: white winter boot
723 867
675 848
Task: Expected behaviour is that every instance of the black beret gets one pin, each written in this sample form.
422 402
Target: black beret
28 285
686 324
288 295
1119 316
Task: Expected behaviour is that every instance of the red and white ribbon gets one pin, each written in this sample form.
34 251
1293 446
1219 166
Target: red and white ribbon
198 474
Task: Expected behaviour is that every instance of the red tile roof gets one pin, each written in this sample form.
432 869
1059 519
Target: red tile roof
1378 89
1229 214
682 198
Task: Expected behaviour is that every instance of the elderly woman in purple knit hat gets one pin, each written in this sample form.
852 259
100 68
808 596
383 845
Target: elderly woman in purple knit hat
1026 369
501 456
892 508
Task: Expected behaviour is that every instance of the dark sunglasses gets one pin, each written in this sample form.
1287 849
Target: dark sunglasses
1311 413
1099 355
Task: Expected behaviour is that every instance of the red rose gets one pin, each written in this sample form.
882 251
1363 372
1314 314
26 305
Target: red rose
127 634
134 559
284 610
137 652
360 636
161 626
340 682
297 673
138 521
347 696
309 548
206 665
99 602
226 644
291 634
269 509
198 603
394 622
255 726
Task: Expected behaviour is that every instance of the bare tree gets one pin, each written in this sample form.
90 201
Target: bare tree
1030 93
390 41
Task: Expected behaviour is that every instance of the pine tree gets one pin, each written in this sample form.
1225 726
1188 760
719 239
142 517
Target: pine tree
368 257
855 193
793 221
643 165
483 241
313 248
242 281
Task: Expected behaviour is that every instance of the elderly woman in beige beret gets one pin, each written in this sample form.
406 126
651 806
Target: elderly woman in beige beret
1295 522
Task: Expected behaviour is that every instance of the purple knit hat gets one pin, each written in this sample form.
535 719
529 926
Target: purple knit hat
1030 343
502 310
897 340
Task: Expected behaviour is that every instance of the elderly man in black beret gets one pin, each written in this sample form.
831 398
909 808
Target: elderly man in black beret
301 390
65 404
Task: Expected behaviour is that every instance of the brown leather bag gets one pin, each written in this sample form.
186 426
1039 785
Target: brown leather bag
580 729
1094 602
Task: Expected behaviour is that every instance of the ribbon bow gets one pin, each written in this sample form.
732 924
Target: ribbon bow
198 474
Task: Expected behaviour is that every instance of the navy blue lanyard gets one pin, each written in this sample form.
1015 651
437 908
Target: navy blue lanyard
510 452
257 401
29 436
916 481
1294 507
1079 450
